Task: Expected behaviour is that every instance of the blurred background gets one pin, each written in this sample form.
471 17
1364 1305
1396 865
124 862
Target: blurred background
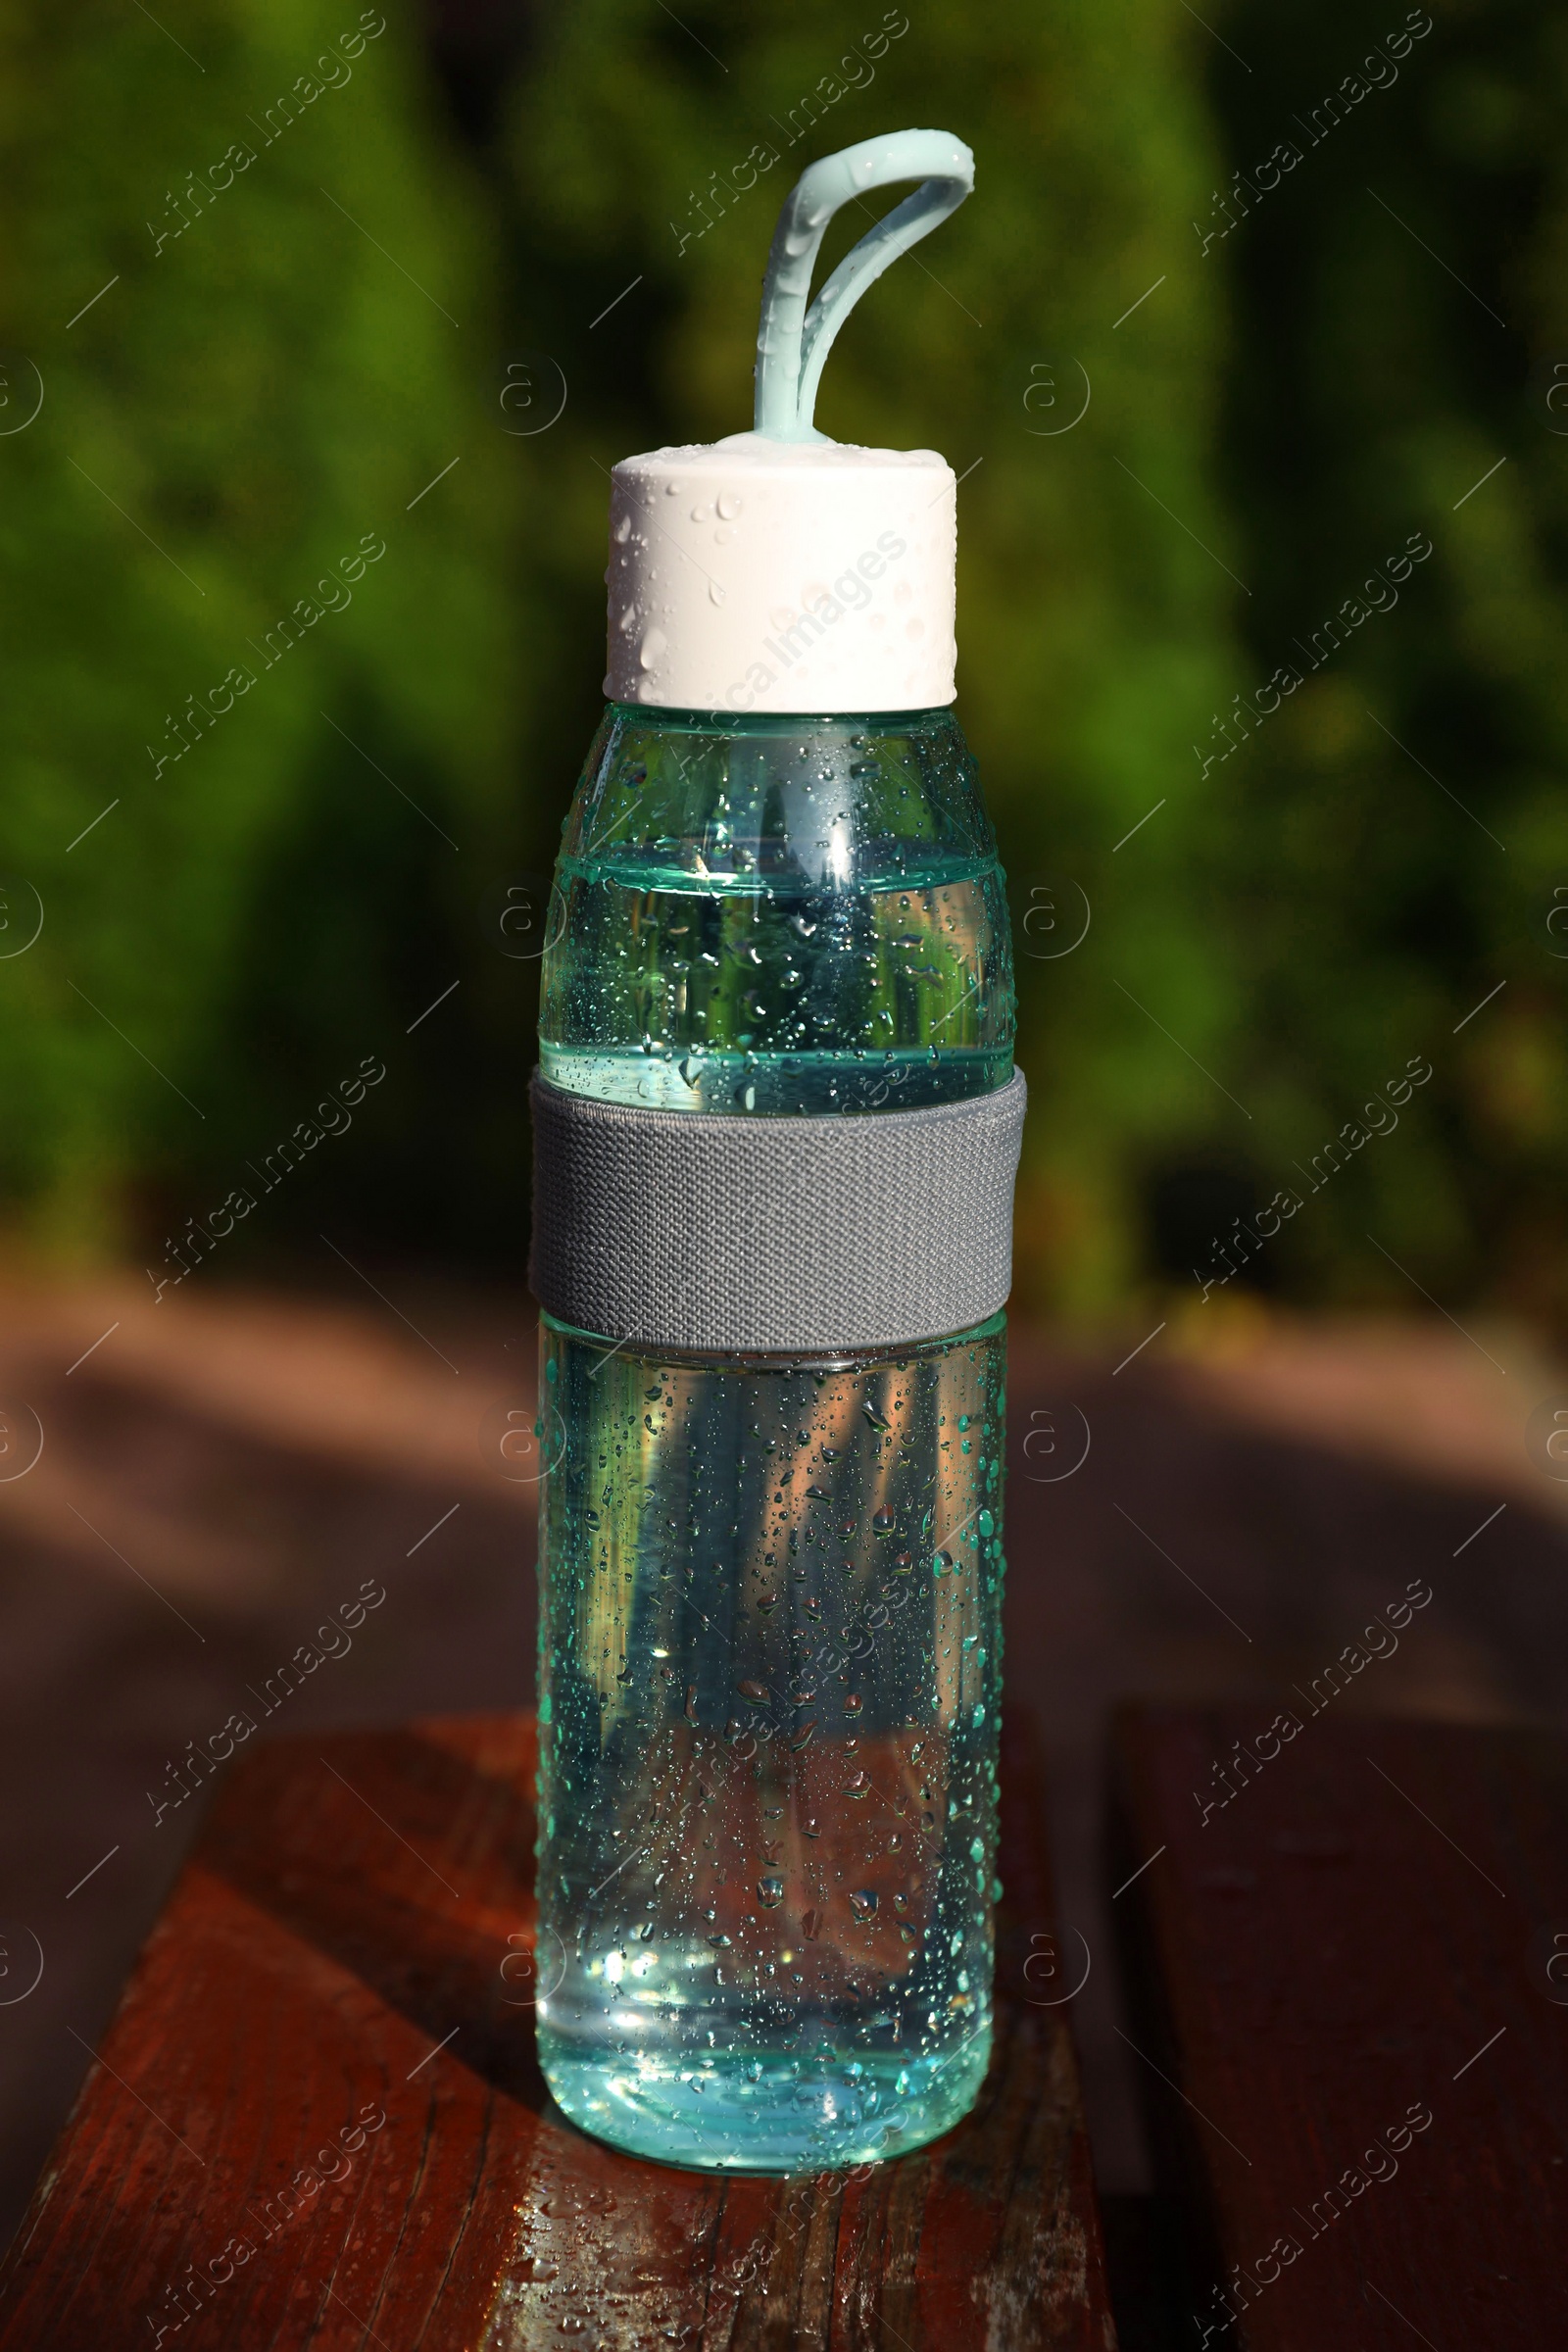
321 331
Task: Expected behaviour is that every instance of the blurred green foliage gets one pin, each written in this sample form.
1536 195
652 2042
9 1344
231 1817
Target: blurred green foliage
1393 841
242 380
1192 415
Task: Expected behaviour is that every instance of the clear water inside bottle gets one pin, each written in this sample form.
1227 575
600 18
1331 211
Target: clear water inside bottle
767 1835
778 995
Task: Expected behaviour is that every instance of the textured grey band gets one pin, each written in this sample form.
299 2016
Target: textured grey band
698 1230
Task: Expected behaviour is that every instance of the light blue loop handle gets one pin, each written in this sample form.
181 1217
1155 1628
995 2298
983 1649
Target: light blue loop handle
793 342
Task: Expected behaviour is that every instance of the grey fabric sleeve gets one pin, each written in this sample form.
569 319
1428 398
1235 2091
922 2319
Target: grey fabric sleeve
691 1230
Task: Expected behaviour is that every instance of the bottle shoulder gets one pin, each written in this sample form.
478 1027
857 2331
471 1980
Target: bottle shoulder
764 804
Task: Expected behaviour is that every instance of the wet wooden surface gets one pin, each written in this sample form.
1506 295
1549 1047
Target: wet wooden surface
225 1469
1354 1970
317 2118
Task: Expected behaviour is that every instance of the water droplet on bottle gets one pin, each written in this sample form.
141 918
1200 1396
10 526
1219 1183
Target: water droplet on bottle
728 503
812 1924
756 1691
770 1890
652 649
863 1903
884 1523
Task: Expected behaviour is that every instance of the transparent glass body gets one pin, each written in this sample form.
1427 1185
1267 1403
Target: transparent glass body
772 1586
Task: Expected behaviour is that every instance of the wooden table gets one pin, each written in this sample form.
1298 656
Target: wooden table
1350 2008
318 2120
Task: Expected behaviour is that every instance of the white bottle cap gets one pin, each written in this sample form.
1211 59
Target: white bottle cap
750 574
778 570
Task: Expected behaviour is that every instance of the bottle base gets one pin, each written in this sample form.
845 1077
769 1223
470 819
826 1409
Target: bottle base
742 2114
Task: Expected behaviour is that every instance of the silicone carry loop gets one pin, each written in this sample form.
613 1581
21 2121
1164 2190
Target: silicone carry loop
792 342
